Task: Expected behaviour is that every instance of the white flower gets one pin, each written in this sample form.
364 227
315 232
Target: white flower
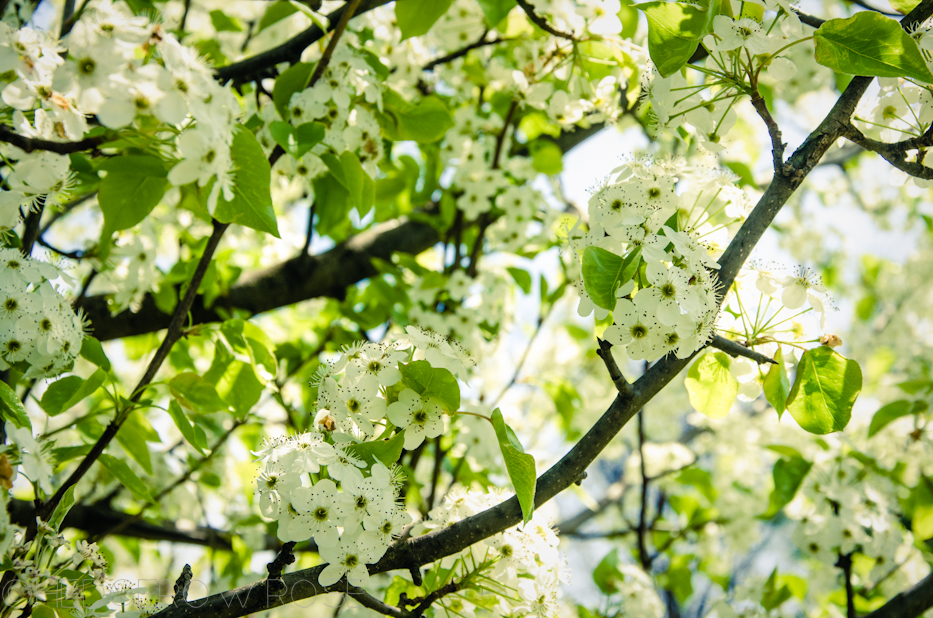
349 556
420 418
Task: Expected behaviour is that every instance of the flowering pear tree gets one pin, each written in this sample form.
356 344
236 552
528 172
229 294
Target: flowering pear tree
297 312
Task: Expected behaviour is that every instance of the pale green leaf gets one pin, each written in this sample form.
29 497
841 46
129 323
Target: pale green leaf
824 391
134 185
185 427
776 384
711 386
12 408
415 17
674 32
386 451
605 272
430 381
193 392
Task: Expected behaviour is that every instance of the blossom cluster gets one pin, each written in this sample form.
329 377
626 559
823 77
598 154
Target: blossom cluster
741 50
670 305
523 565
120 68
39 331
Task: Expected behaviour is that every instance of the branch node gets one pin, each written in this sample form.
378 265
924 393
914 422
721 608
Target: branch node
182 584
580 480
285 557
734 348
615 374
416 578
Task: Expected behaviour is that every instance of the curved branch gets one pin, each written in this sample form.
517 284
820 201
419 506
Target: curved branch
895 153
908 604
734 348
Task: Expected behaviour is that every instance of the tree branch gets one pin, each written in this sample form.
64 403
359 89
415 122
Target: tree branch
460 53
541 22
777 146
734 348
896 153
615 374
289 51
908 604
30 144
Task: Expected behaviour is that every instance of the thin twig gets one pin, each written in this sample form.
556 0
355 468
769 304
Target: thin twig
615 374
734 348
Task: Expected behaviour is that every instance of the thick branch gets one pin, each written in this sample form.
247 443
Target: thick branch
908 604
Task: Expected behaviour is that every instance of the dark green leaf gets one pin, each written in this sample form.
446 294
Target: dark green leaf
788 474
61 510
386 451
134 185
58 393
308 136
187 430
496 10
893 411
224 23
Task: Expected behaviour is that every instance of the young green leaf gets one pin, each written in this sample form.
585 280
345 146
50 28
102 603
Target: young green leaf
674 32
776 385
520 465
872 45
276 12
61 510
252 196
496 10
11 408
386 451
605 272
893 411
133 186
824 391
522 278
711 386
194 393
415 17
92 351
58 393
429 381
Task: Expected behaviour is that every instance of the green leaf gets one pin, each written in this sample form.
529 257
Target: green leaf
276 12
252 198
415 17
607 575
192 437
12 408
67 501
788 474
824 391
674 32
247 338
43 611
605 272
386 451
699 478
904 6
430 381
333 202
921 503
85 388
496 10
58 393
359 185
520 465
547 157
133 435
293 79
308 136
239 387
893 411
522 278
134 185
872 45
224 23
92 351
284 135
427 121
126 476
711 386
776 385
194 393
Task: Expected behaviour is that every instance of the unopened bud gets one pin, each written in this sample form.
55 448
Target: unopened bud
831 341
